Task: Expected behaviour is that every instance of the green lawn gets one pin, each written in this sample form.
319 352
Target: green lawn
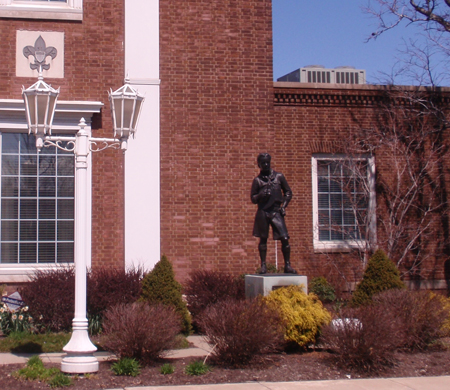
23 342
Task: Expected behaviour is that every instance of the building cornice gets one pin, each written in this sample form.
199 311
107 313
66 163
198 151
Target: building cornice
307 94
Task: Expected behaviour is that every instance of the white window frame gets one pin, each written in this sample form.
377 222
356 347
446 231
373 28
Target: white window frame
70 10
67 118
343 245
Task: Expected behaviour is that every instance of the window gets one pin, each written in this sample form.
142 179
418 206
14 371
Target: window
343 201
36 203
42 9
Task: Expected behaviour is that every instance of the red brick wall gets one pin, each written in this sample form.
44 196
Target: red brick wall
216 116
93 63
317 120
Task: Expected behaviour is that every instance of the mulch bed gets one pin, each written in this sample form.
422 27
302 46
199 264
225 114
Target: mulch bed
313 365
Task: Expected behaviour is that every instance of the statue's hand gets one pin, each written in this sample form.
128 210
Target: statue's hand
283 212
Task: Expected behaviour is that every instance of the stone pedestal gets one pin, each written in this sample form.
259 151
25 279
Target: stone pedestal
263 284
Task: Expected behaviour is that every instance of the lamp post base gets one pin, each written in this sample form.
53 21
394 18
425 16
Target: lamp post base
79 363
80 357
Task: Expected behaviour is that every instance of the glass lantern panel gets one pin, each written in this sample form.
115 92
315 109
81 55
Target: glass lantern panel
42 107
128 113
137 110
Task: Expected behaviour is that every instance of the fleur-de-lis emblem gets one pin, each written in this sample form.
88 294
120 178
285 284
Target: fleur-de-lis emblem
40 52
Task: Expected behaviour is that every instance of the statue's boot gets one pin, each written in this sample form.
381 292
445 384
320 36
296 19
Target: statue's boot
263 269
262 254
287 260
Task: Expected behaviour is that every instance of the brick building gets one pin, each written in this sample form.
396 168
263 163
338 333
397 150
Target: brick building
183 188
88 58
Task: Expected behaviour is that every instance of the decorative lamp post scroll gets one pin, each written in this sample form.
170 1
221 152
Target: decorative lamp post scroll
40 104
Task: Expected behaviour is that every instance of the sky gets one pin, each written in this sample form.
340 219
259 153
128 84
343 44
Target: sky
333 33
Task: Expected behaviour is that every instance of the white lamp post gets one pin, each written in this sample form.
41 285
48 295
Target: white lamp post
40 103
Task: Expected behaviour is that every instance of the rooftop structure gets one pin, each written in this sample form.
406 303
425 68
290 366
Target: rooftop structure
322 75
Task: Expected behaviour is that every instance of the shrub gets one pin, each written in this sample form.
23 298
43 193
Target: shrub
107 287
241 330
126 367
140 330
323 289
205 288
446 325
50 296
381 274
303 315
364 338
421 316
197 368
160 286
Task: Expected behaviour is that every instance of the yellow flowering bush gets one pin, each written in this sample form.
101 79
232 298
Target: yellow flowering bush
303 315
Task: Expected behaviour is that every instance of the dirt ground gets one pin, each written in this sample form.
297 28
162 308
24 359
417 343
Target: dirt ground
314 365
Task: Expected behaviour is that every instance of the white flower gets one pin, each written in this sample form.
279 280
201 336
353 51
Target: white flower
14 317
25 308
21 317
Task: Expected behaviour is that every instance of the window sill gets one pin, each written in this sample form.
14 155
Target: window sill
338 246
22 273
40 12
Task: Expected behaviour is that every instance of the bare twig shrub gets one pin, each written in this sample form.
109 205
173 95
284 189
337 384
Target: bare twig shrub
50 295
140 331
205 288
421 316
364 338
107 287
241 330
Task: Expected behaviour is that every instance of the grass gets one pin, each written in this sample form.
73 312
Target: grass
23 342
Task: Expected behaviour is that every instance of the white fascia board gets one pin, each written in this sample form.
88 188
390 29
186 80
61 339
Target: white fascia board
67 114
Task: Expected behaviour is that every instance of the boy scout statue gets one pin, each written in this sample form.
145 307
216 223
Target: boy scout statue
271 192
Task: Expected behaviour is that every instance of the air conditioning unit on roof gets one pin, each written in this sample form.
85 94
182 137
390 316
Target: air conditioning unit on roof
319 74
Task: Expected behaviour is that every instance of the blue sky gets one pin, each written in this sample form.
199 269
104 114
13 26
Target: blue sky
332 33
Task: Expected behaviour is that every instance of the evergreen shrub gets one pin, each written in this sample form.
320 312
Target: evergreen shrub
381 274
323 289
140 331
303 315
160 286
205 288
240 330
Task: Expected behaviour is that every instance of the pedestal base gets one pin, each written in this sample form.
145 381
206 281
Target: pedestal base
263 284
81 363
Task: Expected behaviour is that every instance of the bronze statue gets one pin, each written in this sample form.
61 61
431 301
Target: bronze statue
271 192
